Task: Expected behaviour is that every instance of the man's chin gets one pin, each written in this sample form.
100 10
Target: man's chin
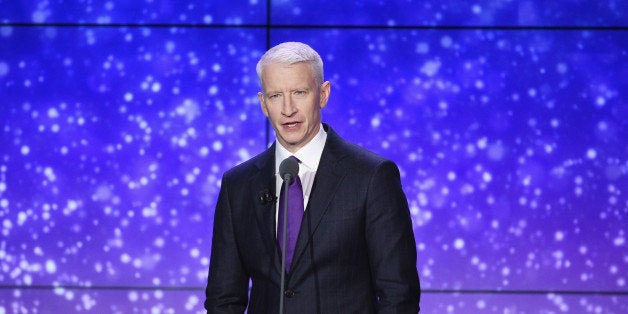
292 143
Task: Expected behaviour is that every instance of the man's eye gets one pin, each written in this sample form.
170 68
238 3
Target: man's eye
273 96
299 92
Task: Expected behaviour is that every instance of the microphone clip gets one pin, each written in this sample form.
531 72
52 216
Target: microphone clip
265 198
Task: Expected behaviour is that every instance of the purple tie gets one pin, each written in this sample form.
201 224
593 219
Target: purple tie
295 214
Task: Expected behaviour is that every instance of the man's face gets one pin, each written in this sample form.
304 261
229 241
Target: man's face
292 101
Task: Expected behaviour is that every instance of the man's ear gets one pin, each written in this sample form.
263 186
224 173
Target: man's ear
260 96
325 90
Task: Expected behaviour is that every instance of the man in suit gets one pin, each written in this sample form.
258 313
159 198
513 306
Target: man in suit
355 251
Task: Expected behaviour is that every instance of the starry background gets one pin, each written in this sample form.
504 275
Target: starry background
507 120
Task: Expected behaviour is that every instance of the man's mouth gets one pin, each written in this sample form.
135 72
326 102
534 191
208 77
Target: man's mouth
291 124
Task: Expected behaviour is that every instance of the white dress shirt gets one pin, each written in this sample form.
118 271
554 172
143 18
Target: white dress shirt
310 156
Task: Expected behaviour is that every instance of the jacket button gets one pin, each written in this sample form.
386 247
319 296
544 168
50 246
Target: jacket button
288 293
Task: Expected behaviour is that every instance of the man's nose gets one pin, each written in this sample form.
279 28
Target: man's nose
288 107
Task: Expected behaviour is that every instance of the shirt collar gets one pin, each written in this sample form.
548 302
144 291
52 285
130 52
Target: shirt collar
309 155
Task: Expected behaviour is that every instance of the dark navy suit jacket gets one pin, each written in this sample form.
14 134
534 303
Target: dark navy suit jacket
355 253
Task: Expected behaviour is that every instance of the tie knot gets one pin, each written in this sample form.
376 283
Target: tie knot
295 158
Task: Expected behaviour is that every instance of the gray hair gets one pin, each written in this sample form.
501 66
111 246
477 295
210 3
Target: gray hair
289 53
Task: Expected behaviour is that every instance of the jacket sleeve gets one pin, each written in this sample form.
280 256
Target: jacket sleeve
391 244
227 284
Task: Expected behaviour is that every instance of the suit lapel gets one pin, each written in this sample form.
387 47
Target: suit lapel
329 175
263 183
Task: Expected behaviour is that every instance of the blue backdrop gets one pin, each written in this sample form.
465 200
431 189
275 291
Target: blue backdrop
507 120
